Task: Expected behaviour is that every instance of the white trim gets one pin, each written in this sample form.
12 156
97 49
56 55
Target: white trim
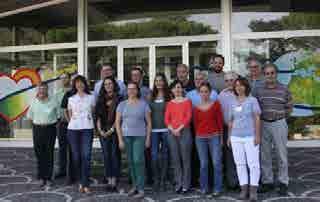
185 53
120 62
53 46
152 64
161 41
82 37
33 7
276 34
226 47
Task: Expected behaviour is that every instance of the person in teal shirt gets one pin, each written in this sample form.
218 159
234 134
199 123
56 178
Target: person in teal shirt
43 112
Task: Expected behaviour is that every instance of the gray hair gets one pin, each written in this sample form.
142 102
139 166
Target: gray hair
231 74
252 59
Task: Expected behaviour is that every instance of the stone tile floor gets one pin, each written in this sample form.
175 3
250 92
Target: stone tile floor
18 182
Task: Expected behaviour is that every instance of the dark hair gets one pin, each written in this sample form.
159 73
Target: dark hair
272 65
206 84
103 98
84 81
136 68
244 82
166 90
218 56
173 85
137 86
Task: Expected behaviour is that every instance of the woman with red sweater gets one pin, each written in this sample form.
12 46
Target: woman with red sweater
177 118
208 125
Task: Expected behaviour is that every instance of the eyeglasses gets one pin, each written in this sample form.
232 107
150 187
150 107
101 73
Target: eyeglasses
270 73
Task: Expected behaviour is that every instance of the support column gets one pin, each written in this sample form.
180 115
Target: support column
152 66
82 37
226 40
120 62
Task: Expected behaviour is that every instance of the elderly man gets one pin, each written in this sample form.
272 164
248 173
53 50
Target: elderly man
194 95
216 73
107 71
255 76
225 98
183 76
276 105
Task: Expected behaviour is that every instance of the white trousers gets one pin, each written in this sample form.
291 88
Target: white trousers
246 155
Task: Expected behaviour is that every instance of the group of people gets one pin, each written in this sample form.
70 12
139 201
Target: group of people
231 121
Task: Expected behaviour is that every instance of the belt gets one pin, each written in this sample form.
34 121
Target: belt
271 120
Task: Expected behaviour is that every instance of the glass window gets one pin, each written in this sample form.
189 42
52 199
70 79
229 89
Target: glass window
168 57
261 17
53 24
112 20
298 60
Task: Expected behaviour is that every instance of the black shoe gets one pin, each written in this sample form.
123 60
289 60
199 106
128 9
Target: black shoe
43 183
263 188
185 191
60 175
283 189
178 190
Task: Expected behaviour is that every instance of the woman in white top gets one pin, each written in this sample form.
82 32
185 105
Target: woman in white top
80 130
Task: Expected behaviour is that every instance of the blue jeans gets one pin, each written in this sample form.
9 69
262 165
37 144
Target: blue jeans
159 155
81 147
213 145
111 155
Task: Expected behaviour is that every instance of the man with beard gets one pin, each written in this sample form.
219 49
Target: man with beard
216 73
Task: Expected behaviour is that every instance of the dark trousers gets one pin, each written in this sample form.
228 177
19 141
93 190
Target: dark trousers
81 147
229 166
111 155
43 143
65 157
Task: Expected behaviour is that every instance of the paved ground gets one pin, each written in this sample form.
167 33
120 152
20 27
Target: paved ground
18 182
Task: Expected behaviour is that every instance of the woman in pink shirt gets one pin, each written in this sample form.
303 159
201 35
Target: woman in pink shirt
177 118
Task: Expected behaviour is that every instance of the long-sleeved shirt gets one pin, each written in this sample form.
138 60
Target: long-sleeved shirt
208 122
178 113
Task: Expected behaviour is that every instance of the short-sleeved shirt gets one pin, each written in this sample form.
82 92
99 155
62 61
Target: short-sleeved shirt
226 97
243 117
195 98
43 112
81 108
133 118
216 80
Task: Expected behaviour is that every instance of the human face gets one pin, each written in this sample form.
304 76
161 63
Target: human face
204 93
229 81
254 68
240 89
182 73
217 64
136 76
42 92
159 82
270 75
108 86
132 91
106 71
177 90
79 86
198 80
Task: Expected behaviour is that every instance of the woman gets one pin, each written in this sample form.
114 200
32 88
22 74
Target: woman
244 137
133 125
208 125
43 112
159 143
177 118
80 130
107 103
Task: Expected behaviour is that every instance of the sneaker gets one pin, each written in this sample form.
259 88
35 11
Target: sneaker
132 192
283 189
140 194
263 188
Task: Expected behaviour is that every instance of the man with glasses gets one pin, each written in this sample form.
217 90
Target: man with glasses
226 97
276 105
255 76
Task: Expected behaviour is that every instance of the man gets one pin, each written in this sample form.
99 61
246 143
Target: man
136 75
194 95
65 158
216 73
107 71
276 105
255 76
183 76
225 98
